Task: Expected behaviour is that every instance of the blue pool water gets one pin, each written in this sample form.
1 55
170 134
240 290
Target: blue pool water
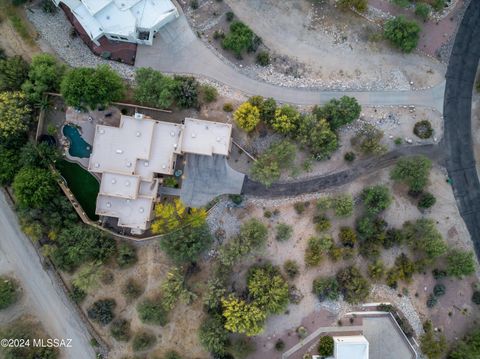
78 146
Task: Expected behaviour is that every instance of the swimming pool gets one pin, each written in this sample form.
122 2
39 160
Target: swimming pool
78 146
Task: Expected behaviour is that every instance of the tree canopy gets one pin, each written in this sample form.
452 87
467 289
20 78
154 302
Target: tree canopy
14 116
460 263
468 347
268 289
402 33
354 287
339 112
413 171
13 73
34 187
153 88
247 116
89 88
376 199
422 235
242 317
317 136
170 216
267 169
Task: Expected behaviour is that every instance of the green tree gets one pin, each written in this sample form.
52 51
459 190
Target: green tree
422 235
186 244
101 311
433 345
267 110
8 292
153 88
343 205
45 75
34 187
247 116
120 330
242 317
317 248
213 335
175 289
240 39
326 288
278 156
291 268
14 116
152 311
468 347
347 236
368 140
284 232
413 171
402 33
268 289
339 112
185 91
9 165
286 120
13 73
143 340
376 270
422 10
460 263
325 346
353 285
317 136
87 277
426 200
89 88
376 199
38 155
126 255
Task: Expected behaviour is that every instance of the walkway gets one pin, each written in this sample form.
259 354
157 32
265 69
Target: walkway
47 299
177 49
458 104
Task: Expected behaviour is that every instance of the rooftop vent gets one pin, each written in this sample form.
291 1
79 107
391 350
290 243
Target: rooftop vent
119 151
218 139
97 165
129 164
141 210
138 116
102 131
127 183
146 164
114 181
164 166
194 135
138 134
172 134
109 205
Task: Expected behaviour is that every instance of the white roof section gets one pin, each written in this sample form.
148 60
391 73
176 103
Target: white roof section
94 6
151 13
116 21
351 347
89 23
148 189
131 213
206 137
117 185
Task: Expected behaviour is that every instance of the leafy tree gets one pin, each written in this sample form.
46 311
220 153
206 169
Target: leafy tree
404 268
78 244
267 110
214 292
316 249
347 236
354 287
170 216
34 187
268 289
368 140
9 165
77 294
89 88
152 311
439 290
14 116
339 112
175 289
143 340
213 335
153 88
460 263
426 200
13 73
376 270
185 91
45 75
326 288
422 10
325 346
359 5
240 39
286 120
343 205
413 171
101 311
120 330
126 255
433 345
468 347
38 155
8 292
394 237
186 244
284 232
242 317
278 156
317 136
322 223
376 199
87 277
402 33
291 268
247 116
422 235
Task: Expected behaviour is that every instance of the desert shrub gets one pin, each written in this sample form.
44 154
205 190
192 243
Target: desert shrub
77 294
212 334
316 136
316 249
438 5
326 288
393 237
476 297
376 270
194 4
422 235
242 348
325 346
120 330
347 236
279 345
460 263
8 292
439 274
422 10
349 156
376 199
286 119
263 58
284 232
242 316
343 205
302 332
368 140
468 347
322 223
132 289
433 344
126 255
185 91
186 244
299 207
426 200
269 165
240 39
228 107
402 33
431 301
229 16
143 340
439 290
339 112
172 355
354 287
209 93
152 311
423 129
404 267
247 116
102 311
175 289
359 5
413 171
291 268
268 289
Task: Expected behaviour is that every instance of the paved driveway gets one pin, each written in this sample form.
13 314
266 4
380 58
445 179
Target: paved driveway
207 177
385 340
177 49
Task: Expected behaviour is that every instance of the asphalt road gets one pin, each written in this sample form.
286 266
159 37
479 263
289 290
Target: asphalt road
44 297
458 141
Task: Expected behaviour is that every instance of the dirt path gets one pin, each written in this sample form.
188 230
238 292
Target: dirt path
46 299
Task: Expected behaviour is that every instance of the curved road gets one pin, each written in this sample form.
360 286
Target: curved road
460 162
177 49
